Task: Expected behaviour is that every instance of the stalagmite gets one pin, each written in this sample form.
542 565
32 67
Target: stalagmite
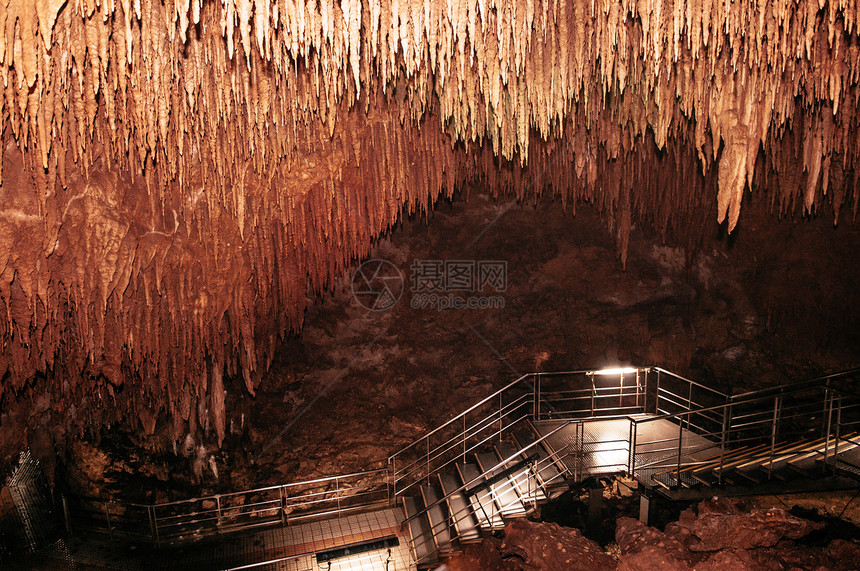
175 174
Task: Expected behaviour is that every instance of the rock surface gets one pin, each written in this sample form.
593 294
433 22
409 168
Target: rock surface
550 547
720 525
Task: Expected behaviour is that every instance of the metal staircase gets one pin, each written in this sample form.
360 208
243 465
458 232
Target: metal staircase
531 440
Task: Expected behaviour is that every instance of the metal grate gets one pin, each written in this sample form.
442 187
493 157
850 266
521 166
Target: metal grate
30 496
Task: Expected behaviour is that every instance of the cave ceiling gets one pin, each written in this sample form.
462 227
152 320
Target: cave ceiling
177 176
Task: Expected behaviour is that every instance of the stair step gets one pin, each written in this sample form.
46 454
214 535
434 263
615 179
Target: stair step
438 517
507 499
548 473
482 503
461 512
419 532
525 484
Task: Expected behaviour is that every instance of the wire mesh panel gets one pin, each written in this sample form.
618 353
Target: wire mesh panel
30 498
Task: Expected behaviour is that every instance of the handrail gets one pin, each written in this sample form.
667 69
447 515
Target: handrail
489 398
686 380
475 428
740 402
462 414
797 385
479 476
323 480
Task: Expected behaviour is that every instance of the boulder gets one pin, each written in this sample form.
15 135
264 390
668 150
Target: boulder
718 524
550 547
633 536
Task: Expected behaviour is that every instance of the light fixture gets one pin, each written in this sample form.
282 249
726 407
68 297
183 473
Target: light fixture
617 371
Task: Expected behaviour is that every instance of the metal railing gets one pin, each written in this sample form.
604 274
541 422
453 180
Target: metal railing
825 408
536 396
199 518
765 428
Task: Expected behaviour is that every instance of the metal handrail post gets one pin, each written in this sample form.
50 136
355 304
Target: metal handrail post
107 517
727 422
536 391
634 429
829 399
838 426
428 460
690 398
777 406
149 512
337 493
464 440
155 527
500 416
283 509
593 395
218 507
657 394
680 449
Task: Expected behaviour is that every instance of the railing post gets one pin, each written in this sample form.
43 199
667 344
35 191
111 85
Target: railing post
149 513
66 518
500 417
283 505
155 526
657 395
680 448
593 391
536 390
634 429
428 460
218 508
838 426
829 421
464 439
107 517
724 437
777 405
337 493
689 401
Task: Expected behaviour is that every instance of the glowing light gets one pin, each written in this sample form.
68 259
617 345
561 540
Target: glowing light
617 371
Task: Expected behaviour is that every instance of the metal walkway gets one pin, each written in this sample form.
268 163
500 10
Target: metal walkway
544 432
522 445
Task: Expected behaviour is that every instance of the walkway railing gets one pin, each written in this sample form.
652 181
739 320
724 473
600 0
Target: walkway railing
823 410
536 396
827 408
198 518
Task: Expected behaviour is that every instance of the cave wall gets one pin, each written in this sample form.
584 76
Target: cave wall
178 177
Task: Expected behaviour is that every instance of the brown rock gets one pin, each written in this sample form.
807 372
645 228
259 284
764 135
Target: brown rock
480 557
549 546
761 528
843 554
650 558
733 559
633 536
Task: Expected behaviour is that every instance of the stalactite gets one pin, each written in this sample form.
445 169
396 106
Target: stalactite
175 173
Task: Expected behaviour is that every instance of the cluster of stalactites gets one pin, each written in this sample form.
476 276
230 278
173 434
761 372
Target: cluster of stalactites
176 172
168 85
